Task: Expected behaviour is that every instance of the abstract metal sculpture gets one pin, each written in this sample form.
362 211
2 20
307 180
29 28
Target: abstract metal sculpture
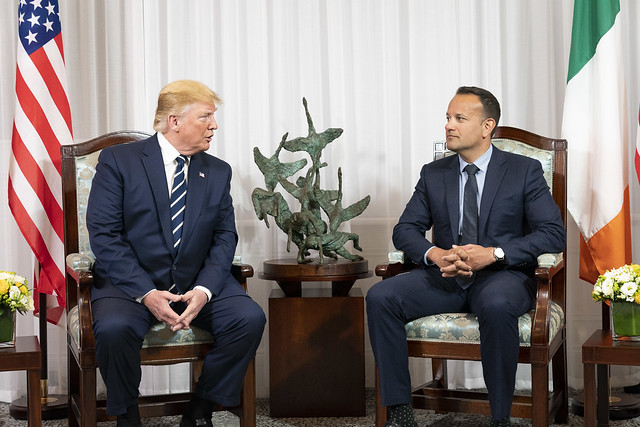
306 228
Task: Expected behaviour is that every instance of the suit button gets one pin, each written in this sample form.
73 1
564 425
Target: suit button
174 268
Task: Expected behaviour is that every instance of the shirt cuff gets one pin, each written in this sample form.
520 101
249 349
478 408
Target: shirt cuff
139 299
205 290
427 261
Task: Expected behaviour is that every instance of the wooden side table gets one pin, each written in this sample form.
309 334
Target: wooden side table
598 352
25 356
316 339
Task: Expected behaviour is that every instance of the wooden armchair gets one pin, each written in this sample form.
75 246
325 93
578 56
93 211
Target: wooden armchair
542 331
161 346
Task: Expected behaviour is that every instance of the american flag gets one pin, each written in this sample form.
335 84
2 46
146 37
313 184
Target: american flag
42 122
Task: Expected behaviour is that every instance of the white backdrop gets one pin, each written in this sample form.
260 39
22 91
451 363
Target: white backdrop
382 70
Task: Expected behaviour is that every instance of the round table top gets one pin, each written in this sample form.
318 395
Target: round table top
331 270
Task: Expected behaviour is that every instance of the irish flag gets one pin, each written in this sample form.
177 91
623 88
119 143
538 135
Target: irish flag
594 124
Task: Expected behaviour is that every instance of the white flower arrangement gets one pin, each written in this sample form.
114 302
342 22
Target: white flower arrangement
620 284
14 292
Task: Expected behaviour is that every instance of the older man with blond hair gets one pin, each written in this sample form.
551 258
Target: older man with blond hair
162 227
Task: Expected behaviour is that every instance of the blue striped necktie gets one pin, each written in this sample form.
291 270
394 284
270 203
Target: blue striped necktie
178 199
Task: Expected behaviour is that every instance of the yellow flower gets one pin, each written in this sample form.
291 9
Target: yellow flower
637 299
23 289
14 292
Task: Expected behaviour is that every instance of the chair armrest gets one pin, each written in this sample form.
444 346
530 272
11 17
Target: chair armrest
79 269
549 266
397 264
241 272
79 262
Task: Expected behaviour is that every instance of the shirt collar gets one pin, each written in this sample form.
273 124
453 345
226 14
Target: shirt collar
482 162
169 152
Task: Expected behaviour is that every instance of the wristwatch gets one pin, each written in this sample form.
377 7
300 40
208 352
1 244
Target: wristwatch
498 254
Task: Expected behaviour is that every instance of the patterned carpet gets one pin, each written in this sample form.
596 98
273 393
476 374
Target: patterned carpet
224 419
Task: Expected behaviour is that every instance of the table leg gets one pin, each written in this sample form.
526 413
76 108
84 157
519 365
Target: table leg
33 393
589 373
341 288
603 395
290 288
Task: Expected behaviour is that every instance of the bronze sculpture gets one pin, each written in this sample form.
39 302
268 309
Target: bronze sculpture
306 228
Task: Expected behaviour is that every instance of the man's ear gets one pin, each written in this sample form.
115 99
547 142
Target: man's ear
488 127
172 122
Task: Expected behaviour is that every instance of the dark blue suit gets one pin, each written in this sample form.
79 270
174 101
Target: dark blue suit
517 214
128 219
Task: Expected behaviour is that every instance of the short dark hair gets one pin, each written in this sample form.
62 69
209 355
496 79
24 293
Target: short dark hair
490 104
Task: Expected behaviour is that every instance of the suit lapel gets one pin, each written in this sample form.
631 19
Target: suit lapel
154 168
451 189
495 174
196 189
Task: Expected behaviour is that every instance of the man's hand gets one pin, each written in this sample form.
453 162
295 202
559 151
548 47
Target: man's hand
477 257
461 260
158 304
452 262
195 299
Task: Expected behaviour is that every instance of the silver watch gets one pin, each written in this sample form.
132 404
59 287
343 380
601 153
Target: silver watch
498 254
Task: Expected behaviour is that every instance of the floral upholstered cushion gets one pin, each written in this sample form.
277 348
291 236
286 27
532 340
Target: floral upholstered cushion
545 157
85 170
159 335
464 328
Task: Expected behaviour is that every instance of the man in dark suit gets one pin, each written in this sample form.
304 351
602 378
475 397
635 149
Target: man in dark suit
156 265
490 273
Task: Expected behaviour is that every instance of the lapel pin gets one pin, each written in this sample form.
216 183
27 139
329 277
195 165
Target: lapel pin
201 174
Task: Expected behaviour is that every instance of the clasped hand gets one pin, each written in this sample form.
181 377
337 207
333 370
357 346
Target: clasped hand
158 302
462 261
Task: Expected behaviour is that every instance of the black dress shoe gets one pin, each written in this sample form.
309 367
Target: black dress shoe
130 419
505 422
195 422
198 413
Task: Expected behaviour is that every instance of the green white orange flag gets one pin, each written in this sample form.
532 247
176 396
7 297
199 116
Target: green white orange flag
595 127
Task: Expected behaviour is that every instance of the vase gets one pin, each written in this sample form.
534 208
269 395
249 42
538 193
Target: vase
625 321
7 327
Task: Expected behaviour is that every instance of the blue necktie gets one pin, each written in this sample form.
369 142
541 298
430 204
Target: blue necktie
470 207
469 216
178 199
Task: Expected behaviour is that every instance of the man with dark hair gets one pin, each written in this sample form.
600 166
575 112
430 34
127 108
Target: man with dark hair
490 105
492 215
162 226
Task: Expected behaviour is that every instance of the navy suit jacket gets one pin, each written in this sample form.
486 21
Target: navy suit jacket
128 219
517 211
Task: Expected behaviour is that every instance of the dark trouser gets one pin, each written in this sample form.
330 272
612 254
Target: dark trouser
119 326
498 298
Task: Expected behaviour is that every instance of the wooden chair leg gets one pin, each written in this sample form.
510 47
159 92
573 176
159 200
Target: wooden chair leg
439 372
540 395
87 403
559 366
72 387
381 411
248 413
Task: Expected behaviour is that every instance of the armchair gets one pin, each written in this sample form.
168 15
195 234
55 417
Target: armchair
161 345
542 330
